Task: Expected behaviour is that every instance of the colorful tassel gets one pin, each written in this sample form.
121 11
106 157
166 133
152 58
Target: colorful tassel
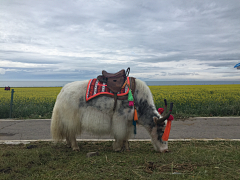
131 103
130 96
167 129
135 128
135 115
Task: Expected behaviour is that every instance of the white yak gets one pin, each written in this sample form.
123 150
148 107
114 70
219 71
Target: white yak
72 114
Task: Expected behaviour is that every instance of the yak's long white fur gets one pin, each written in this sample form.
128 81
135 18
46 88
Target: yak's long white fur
72 115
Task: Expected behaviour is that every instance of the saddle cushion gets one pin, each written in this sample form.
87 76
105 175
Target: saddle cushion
114 75
114 80
96 88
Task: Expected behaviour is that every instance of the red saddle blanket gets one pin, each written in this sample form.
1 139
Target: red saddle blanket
96 88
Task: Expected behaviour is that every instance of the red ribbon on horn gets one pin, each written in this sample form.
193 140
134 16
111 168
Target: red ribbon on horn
168 127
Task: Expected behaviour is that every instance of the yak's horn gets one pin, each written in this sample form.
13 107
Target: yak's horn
165 108
165 116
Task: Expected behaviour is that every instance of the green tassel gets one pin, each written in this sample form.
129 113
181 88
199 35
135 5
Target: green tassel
130 96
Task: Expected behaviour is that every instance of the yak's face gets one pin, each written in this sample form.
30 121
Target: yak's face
156 135
159 128
154 122
150 118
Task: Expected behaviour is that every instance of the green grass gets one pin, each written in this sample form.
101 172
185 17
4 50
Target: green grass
187 160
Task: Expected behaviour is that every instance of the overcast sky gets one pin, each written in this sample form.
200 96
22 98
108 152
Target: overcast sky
158 39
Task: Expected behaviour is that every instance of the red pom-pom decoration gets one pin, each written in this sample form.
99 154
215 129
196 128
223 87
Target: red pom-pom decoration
160 110
170 118
131 103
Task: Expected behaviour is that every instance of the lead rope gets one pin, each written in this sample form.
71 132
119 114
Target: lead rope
115 94
115 101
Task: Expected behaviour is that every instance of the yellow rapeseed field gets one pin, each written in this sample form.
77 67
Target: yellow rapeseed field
29 102
189 100
210 100
196 94
32 92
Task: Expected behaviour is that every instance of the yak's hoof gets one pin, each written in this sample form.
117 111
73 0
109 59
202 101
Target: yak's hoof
68 145
76 149
118 149
166 151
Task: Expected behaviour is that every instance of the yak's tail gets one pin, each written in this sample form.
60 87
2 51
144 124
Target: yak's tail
57 127
64 125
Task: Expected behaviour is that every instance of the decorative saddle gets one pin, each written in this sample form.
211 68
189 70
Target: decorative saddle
116 85
114 81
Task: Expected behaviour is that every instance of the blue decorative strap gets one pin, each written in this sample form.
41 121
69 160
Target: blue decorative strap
135 129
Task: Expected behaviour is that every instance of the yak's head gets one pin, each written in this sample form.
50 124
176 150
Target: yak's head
158 129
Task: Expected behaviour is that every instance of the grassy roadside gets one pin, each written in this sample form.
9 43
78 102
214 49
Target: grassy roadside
187 160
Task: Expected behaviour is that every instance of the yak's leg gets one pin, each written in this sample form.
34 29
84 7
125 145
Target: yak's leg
68 142
128 135
121 129
117 145
126 145
71 141
120 145
120 138
74 144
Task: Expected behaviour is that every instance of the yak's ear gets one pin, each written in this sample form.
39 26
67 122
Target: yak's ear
155 119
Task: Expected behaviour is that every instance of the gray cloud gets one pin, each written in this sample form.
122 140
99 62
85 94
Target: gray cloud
75 40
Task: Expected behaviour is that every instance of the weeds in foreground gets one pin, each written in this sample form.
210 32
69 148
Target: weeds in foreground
187 160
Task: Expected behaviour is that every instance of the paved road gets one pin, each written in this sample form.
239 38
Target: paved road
197 128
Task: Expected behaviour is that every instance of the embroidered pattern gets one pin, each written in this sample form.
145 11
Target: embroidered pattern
96 88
